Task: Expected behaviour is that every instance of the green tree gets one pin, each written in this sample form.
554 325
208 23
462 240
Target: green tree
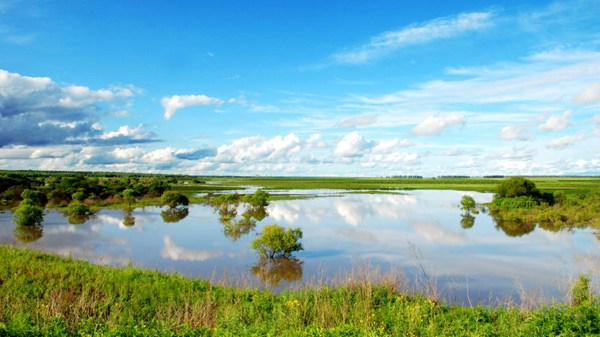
28 214
174 214
79 196
516 187
79 209
129 196
36 197
468 204
260 198
277 241
174 199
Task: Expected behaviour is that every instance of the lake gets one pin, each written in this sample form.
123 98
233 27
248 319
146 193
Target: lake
408 232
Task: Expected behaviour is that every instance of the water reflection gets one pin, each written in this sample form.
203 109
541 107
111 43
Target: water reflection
171 215
273 271
28 234
338 231
75 219
467 221
128 218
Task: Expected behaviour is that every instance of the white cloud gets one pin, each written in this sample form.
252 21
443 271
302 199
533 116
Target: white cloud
566 141
556 123
358 121
36 111
316 141
387 145
442 28
515 132
125 131
353 144
259 149
590 95
434 125
173 103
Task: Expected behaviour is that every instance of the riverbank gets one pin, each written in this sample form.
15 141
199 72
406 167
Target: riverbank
46 295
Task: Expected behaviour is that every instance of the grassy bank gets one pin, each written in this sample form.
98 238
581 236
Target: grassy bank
45 295
546 184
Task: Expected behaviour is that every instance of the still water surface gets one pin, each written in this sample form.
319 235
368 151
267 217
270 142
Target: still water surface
341 230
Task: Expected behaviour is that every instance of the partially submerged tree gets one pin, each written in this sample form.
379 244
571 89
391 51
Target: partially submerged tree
276 241
468 204
174 199
28 214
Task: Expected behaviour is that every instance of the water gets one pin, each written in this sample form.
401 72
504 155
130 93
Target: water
410 232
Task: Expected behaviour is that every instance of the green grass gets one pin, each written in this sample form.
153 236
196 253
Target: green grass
42 294
546 184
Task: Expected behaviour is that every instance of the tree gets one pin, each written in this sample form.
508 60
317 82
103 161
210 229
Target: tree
260 198
516 187
129 196
174 199
28 214
468 204
276 241
79 196
36 197
79 209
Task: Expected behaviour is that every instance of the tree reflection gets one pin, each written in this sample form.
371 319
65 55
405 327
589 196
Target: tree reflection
273 271
28 234
236 228
467 221
174 214
128 218
75 219
228 205
514 227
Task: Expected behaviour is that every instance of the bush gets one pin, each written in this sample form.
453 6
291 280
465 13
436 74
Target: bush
27 214
276 241
468 204
260 198
517 187
174 199
36 197
79 209
79 196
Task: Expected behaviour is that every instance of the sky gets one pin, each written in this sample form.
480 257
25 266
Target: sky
301 88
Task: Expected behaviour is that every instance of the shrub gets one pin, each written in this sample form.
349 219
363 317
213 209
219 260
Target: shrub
79 196
260 198
174 199
27 214
517 187
36 197
276 241
468 204
129 196
78 209
580 292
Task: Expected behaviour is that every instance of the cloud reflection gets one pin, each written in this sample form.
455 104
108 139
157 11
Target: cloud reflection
172 251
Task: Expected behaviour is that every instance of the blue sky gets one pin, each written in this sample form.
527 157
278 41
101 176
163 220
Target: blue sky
301 87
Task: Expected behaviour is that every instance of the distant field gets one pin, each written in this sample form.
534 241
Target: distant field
568 185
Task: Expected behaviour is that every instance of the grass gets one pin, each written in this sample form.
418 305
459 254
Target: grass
546 184
46 295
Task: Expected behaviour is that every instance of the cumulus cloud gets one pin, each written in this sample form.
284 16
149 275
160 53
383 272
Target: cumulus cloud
352 145
259 149
173 103
36 111
566 141
316 141
515 132
442 28
434 125
590 95
358 121
556 123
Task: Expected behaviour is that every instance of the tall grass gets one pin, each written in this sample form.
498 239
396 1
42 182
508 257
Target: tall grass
42 294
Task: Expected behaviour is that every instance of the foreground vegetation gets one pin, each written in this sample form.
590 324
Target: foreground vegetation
46 295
